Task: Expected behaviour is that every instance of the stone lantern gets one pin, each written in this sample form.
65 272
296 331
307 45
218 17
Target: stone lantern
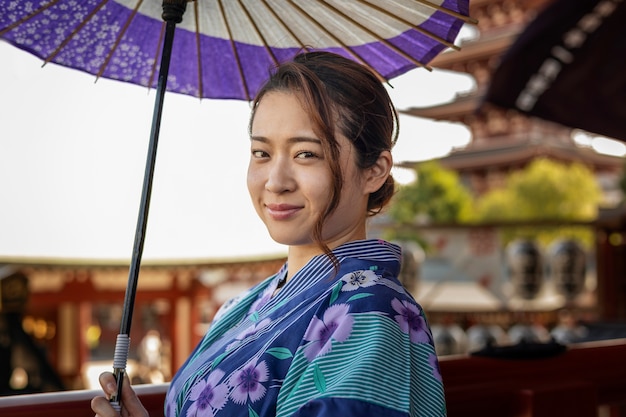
567 261
525 267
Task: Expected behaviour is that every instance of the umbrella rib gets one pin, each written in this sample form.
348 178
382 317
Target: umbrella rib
75 32
28 17
282 23
258 32
380 39
237 59
466 19
198 49
406 22
346 47
118 39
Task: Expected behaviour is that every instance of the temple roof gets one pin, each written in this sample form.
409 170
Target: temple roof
504 152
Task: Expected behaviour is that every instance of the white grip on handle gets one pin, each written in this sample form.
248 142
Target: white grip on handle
120 357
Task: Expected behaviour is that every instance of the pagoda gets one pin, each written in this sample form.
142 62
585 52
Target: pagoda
504 140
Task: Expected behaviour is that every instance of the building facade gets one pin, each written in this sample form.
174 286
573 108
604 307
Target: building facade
68 315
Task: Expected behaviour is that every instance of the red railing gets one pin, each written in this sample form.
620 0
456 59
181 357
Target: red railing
580 382
75 403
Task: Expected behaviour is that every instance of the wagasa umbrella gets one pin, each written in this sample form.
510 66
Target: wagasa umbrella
568 66
220 49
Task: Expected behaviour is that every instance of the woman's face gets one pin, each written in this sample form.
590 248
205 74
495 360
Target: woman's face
290 181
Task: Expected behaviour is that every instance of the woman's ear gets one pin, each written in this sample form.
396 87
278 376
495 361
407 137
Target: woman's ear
377 174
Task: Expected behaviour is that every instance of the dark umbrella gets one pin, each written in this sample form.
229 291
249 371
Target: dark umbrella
222 49
568 66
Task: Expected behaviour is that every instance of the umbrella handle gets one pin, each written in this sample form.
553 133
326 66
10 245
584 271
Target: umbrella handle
122 347
173 11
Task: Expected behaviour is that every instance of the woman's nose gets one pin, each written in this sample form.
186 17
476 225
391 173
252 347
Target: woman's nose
279 177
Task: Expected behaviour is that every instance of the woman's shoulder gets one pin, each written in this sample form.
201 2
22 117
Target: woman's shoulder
372 289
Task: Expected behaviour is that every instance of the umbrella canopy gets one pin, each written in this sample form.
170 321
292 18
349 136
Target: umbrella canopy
223 49
568 67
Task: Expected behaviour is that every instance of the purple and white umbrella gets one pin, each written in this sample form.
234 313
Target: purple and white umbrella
221 49
224 48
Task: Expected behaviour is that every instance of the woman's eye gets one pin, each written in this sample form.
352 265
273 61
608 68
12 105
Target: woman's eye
306 155
258 153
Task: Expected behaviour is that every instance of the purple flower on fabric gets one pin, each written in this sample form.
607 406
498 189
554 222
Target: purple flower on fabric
357 279
248 332
247 382
262 300
411 321
253 329
434 363
336 324
208 396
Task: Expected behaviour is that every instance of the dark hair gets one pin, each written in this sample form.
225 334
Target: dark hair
337 92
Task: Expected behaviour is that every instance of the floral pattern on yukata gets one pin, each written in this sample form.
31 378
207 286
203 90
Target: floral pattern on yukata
433 361
336 324
268 356
208 396
411 321
249 332
266 296
359 279
247 383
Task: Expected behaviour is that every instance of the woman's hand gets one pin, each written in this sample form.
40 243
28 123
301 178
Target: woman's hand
131 406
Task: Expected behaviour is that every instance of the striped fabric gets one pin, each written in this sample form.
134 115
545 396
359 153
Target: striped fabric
352 342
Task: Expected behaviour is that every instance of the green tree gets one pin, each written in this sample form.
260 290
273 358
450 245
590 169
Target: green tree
436 196
544 191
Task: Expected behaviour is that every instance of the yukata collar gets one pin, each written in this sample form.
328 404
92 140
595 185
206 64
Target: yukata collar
366 249
369 249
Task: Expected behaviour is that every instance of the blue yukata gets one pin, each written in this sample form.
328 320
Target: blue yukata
344 343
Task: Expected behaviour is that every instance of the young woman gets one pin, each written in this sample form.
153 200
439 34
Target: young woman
333 332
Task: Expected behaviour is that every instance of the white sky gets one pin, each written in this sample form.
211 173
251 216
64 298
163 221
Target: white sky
72 157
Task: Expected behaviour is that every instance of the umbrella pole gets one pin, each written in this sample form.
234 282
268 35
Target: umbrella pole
173 11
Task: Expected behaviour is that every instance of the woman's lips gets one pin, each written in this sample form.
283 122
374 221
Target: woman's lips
282 211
